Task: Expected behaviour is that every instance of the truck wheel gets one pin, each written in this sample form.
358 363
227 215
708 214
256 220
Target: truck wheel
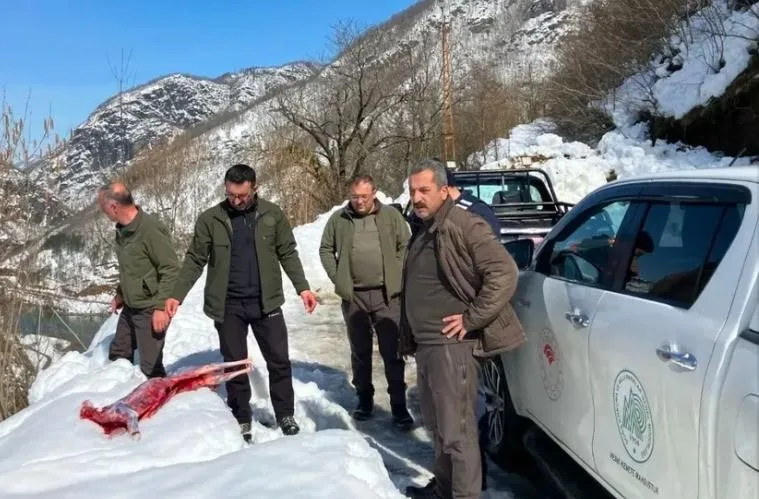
502 427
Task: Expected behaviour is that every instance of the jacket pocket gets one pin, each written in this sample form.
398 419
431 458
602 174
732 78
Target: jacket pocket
150 284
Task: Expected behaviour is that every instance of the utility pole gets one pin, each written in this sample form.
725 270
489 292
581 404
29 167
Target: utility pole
449 147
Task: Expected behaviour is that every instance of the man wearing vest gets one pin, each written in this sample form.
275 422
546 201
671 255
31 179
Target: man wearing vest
362 251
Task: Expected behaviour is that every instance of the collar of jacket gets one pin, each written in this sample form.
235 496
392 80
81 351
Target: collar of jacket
259 207
441 215
131 227
350 213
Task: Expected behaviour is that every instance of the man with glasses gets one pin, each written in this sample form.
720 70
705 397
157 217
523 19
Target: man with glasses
244 240
362 250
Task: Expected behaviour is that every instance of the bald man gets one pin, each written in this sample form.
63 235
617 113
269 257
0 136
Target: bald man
148 267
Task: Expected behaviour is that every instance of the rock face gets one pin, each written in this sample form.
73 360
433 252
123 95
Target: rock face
26 208
157 110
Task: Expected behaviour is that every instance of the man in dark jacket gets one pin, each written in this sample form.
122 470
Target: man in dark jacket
362 250
148 267
457 284
244 239
472 203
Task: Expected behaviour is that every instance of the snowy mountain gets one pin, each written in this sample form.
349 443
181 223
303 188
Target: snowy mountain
518 37
27 208
192 445
156 110
515 35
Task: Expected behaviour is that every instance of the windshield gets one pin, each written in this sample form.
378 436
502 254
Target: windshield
502 189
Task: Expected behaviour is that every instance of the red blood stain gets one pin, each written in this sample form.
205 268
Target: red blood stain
549 353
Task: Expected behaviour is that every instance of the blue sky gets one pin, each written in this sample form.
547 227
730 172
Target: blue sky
59 49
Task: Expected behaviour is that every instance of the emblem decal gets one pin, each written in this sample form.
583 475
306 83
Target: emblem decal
634 420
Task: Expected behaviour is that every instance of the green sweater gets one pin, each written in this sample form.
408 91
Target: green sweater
337 246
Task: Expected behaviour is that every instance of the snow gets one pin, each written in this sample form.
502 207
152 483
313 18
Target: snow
576 169
192 445
717 36
43 350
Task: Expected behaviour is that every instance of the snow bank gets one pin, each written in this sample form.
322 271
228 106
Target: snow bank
43 350
192 446
716 51
576 169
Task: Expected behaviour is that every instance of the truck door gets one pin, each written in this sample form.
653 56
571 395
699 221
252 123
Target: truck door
654 333
556 304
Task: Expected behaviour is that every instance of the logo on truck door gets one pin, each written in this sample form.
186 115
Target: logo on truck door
634 421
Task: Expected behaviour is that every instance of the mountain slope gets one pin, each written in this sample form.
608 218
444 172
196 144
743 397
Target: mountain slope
142 116
229 113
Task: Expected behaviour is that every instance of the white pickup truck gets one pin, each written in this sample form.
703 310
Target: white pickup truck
641 308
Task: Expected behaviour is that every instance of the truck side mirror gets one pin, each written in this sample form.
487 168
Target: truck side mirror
521 250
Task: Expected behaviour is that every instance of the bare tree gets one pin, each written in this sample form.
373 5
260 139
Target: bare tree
124 80
618 39
288 167
16 370
418 121
345 111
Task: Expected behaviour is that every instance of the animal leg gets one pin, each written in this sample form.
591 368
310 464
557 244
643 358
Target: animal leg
132 419
220 377
210 368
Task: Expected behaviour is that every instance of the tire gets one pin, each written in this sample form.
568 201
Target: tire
503 428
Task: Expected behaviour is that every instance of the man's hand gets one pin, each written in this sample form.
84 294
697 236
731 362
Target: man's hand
160 321
455 326
170 306
309 300
116 303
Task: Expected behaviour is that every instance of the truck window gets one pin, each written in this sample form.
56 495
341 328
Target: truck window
678 248
582 255
494 190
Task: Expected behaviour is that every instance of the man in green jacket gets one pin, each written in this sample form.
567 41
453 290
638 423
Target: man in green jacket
148 267
244 239
362 251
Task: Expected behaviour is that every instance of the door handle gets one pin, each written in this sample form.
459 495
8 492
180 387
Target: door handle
670 353
577 318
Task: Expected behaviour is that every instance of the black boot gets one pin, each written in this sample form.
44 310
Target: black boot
365 407
401 417
429 491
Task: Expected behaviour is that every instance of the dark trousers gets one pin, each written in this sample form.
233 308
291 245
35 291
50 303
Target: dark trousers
369 312
270 332
134 331
447 379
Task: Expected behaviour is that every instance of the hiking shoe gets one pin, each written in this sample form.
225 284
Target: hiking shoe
288 425
245 431
363 410
402 418
429 491
365 407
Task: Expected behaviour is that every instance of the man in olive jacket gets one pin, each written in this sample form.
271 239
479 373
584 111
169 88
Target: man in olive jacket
457 284
148 267
244 239
362 250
